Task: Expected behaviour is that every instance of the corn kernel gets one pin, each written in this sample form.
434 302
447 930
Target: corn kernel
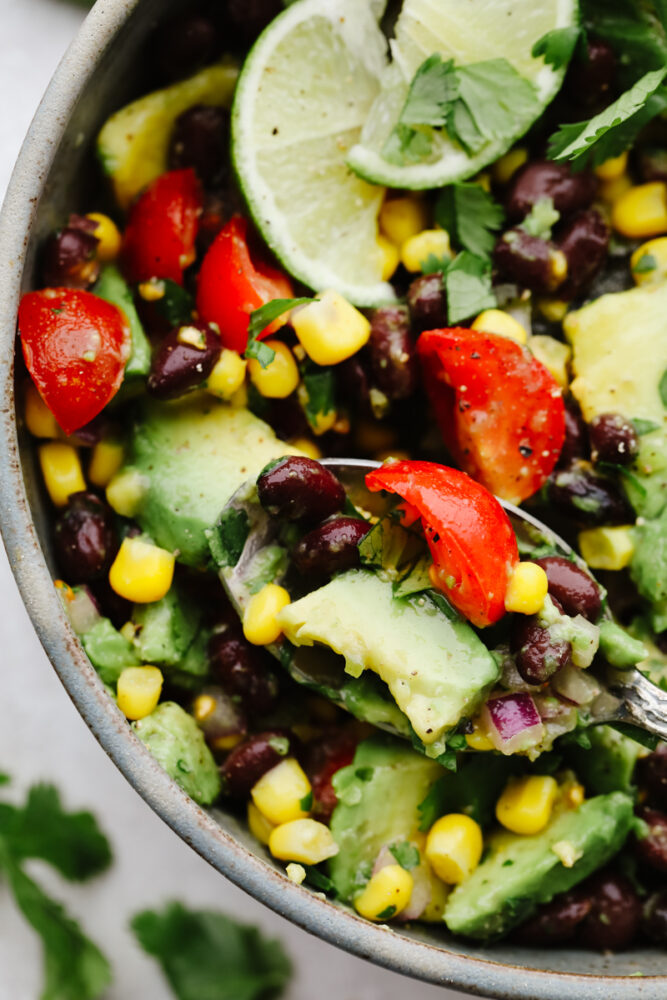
141 572
62 471
330 329
152 290
126 491
526 804
105 461
281 793
610 191
307 446
392 455
478 740
401 218
434 909
607 548
613 168
38 417
483 180
557 267
573 794
259 825
108 235
497 321
138 691
641 211
649 261
429 243
553 310
553 354
387 893
304 840
526 589
240 398
260 624
390 257
454 847
280 377
295 873
228 375
505 168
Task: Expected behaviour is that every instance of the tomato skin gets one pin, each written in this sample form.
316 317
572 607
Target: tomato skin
232 285
500 411
469 534
75 346
159 240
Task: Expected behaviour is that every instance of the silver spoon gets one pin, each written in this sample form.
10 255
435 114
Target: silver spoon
628 696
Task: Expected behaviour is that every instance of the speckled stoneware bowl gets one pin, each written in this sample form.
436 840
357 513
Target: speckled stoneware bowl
54 175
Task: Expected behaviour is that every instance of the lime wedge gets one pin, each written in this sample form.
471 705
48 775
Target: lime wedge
302 98
467 32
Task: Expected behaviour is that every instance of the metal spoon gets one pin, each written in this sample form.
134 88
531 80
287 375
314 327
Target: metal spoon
628 697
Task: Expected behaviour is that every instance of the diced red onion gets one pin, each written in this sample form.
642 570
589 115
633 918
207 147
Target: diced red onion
82 610
383 860
513 722
420 896
578 687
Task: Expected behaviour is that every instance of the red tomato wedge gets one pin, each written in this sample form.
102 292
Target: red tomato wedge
500 411
75 347
232 285
160 236
469 534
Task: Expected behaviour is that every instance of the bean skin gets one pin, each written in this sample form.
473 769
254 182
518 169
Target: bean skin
243 670
590 79
69 259
613 439
576 438
653 163
588 498
652 849
613 921
85 540
575 590
180 365
543 179
585 243
299 487
538 656
527 260
555 922
427 302
253 758
652 776
185 44
250 17
393 359
200 139
322 758
654 918
331 548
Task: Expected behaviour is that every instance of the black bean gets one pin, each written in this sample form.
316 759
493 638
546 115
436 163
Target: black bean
427 302
591 76
652 848
252 16
615 914
299 487
613 439
69 259
654 918
652 776
587 497
183 360
538 655
253 758
653 163
554 922
184 44
200 139
573 588
529 261
219 717
585 242
543 179
392 354
112 605
85 540
331 548
353 382
576 439
243 670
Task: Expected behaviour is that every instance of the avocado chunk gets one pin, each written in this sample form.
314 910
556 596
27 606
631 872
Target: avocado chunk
379 795
192 455
436 669
166 628
648 568
608 765
112 287
133 144
108 650
177 743
521 872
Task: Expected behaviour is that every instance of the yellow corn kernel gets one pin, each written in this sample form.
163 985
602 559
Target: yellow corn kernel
108 235
280 377
610 191
454 847
557 267
387 893
105 461
304 840
649 261
483 180
228 375
554 310
497 321
38 417
526 804
259 825
126 491
504 169
260 624
330 329
392 455
61 468
152 290
390 257
429 243
526 589
641 211
573 794
553 354
607 548
478 740
613 168
401 218
282 793
141 572
308 447
138 691
240 398
295 873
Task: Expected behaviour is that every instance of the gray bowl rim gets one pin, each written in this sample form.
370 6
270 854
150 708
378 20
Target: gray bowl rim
341 927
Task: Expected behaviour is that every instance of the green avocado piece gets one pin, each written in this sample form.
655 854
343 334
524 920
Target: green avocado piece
108 650
618 647
522 872
133 144
608 765
378 799
192 455
436 669
112 287
177 743
166 628
648 568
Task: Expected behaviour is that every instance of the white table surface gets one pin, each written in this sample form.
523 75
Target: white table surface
42 736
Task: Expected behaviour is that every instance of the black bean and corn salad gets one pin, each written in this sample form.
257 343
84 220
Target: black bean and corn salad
447 255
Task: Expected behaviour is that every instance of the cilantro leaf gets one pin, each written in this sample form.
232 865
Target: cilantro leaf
317 393
645 426
645 264
406 144
406 854
613 130
493 101
258 322
470 215
433 88
4 778
637 29
208 956
227 537
557 46
468 285
318 880
176 304
387 913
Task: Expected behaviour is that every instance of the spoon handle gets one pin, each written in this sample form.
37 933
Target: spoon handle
644 704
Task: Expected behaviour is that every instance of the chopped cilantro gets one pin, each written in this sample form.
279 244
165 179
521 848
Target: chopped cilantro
637 29
645 426
468 285
175 305
470 216
227 537
558 45
508 862
541 218
317 394
318 880
457 741
266 314
259 351
306 802
387 913
364 773
663 388
645 264
406 854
